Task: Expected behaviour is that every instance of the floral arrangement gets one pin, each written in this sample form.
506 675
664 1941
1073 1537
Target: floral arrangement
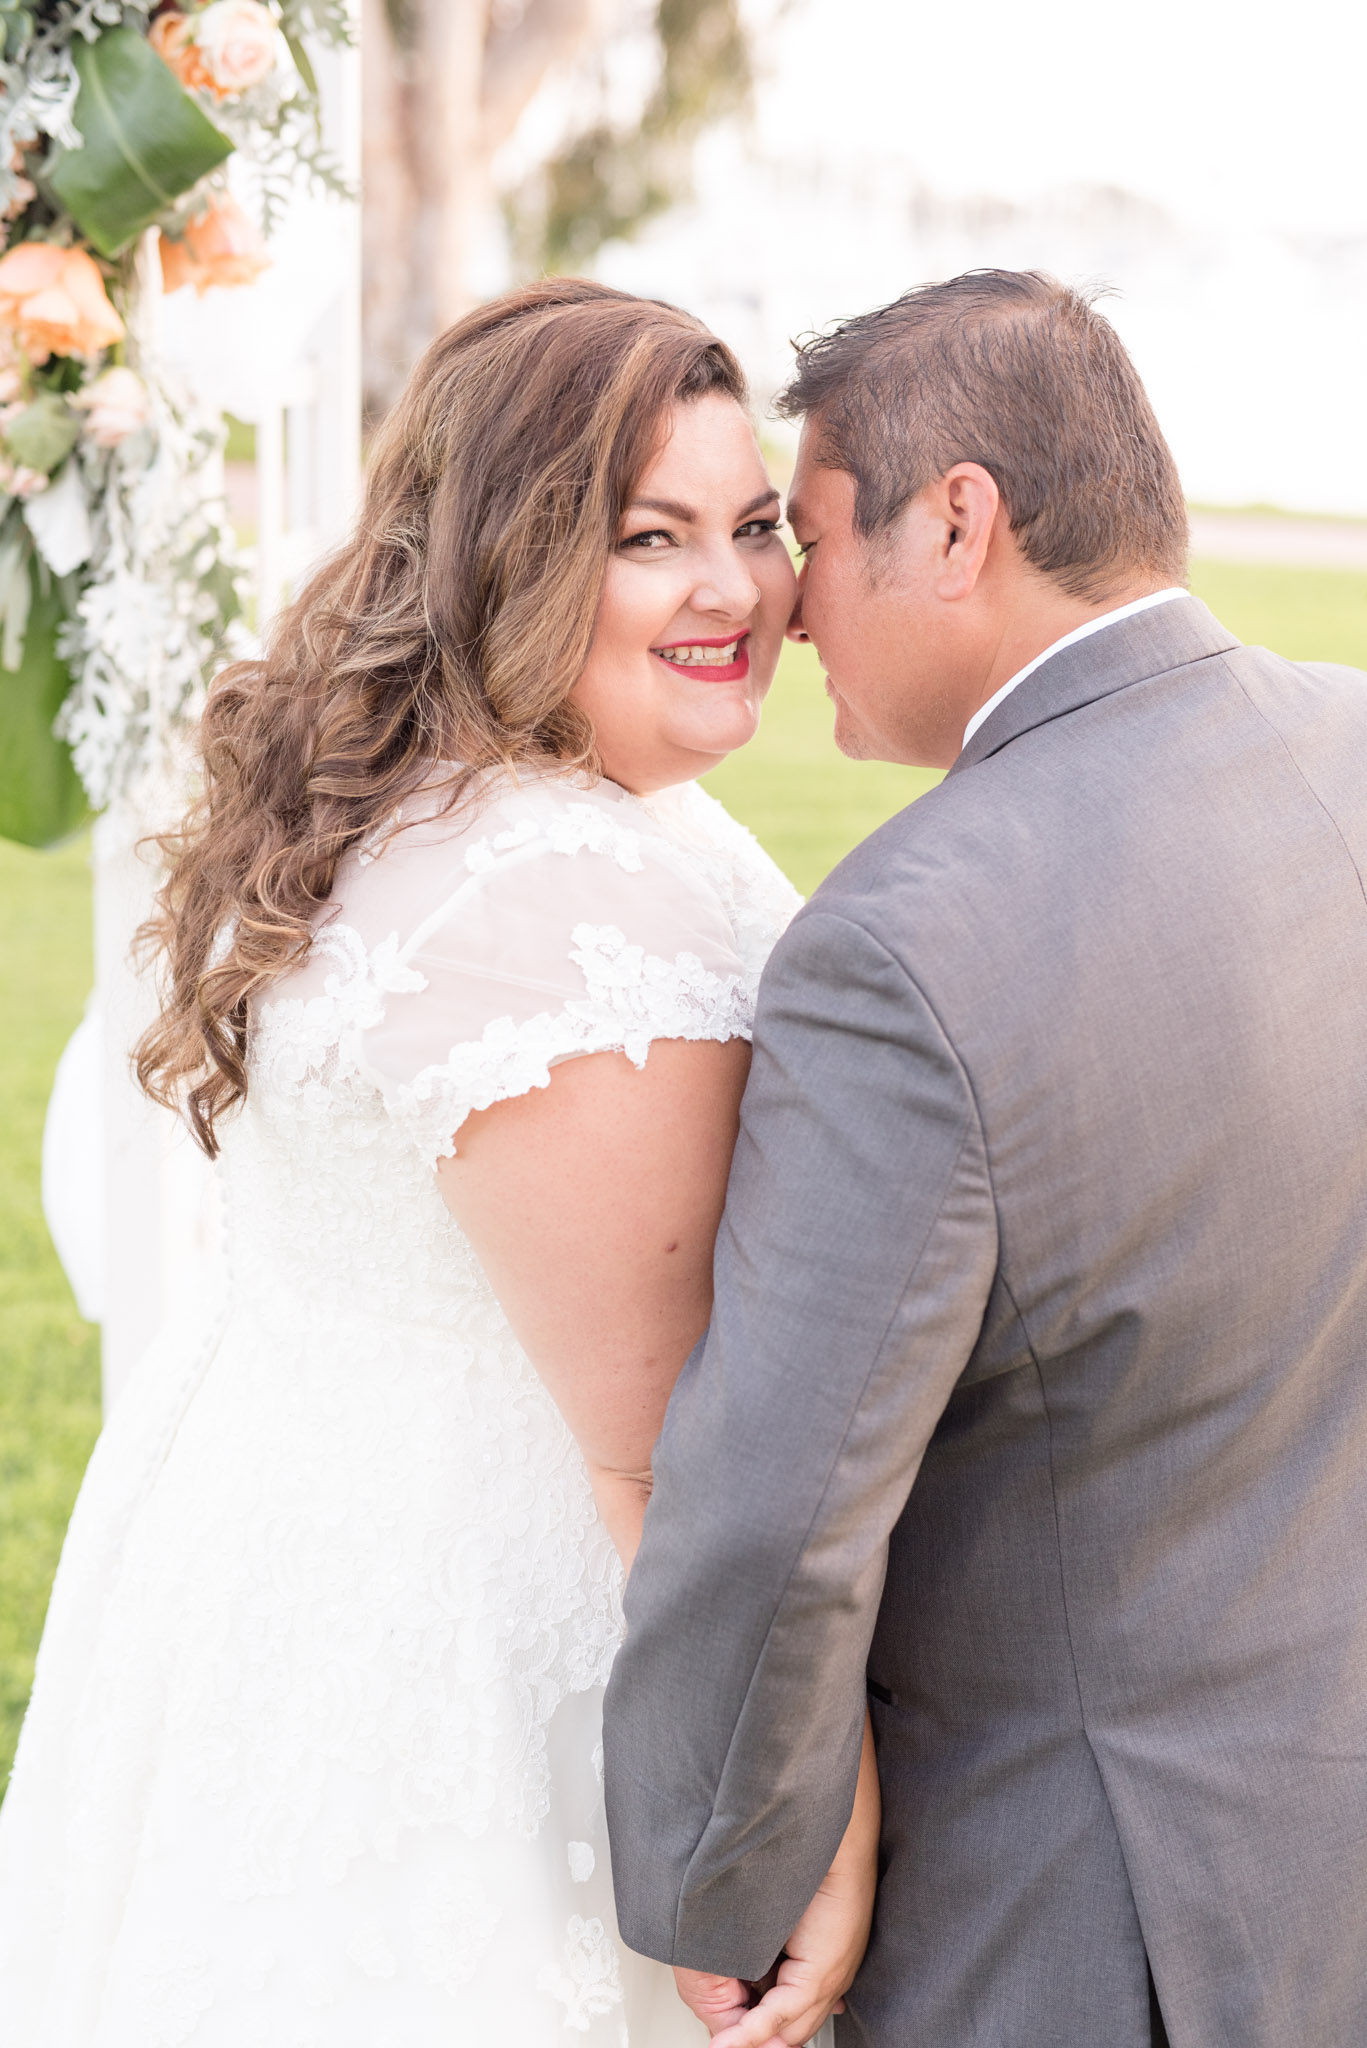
119 584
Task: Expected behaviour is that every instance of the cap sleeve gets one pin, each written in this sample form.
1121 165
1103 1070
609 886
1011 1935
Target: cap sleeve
555 931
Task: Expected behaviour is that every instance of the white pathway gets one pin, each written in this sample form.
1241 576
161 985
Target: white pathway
1289 543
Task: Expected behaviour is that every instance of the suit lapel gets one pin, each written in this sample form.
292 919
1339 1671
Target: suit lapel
1132 650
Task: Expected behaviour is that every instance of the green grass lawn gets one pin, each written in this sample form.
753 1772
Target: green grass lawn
808 805
805 802
49 1358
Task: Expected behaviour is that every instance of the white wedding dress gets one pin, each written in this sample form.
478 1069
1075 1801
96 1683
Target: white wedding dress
313 1758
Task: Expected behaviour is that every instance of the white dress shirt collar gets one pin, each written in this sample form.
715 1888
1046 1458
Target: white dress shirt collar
1124 611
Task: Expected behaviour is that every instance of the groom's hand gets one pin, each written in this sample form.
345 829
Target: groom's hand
717 2001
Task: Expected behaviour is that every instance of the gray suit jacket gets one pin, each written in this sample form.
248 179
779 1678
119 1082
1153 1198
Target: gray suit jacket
1036 1392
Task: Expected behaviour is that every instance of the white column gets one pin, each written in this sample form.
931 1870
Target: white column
270 511
159 1222
135 1130
160 1200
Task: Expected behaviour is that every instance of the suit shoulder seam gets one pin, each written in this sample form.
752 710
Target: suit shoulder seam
1315 796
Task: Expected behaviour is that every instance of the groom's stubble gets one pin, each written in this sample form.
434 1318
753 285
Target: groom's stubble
918 624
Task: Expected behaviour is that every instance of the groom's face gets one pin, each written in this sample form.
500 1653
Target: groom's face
870 607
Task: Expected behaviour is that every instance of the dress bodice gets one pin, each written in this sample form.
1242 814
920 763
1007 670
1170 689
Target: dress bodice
461 958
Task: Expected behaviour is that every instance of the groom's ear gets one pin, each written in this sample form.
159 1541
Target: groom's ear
965 504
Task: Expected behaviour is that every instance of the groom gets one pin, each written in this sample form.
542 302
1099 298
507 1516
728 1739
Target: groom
1033 1413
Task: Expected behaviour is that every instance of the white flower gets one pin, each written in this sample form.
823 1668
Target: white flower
238 43
115 405
59 521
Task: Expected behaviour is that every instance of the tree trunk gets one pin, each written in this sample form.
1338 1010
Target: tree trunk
435 108
450 161
387 210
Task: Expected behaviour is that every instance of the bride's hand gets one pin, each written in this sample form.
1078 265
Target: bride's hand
824 1950
717 2001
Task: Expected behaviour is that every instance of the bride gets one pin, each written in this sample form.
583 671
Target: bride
459 970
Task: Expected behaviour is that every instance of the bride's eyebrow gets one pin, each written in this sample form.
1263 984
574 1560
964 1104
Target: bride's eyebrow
672 509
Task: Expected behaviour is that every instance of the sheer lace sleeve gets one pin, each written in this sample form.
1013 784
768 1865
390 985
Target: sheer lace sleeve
562 922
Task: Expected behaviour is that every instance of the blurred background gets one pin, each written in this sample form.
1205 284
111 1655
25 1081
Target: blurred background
773 165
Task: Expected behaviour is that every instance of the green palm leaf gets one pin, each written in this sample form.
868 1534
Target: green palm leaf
41 798
145 141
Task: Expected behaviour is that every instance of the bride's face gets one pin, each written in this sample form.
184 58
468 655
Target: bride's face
697 596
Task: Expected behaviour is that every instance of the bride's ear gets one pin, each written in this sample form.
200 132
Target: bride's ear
966 502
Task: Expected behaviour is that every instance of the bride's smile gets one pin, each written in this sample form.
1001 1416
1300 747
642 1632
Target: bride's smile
729 660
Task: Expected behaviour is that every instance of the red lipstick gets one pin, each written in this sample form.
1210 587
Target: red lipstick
710 670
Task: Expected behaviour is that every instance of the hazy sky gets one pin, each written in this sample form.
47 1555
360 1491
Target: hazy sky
1214 109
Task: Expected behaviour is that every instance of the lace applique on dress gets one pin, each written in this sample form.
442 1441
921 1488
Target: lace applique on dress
653 998
631 998
588 1981
303 1047
455 1928
572 830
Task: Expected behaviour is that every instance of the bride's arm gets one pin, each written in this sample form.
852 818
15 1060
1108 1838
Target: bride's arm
593 1206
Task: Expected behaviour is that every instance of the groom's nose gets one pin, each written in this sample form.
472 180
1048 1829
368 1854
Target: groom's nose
795 629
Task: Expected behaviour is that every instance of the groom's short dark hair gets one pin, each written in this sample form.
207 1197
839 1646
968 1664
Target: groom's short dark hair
1013 370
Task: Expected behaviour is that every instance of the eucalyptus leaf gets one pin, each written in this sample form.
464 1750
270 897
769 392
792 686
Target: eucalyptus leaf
144 141
41 797
16 25
302 63
43 434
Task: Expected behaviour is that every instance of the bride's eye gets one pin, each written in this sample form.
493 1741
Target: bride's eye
648 543
756 528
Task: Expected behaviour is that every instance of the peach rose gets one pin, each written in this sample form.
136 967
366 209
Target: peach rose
172 36
20 482
220 246
115 405
54 302
237 42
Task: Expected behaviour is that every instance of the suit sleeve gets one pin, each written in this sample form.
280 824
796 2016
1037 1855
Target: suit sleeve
853 1269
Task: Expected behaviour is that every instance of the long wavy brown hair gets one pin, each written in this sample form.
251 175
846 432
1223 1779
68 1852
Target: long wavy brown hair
449 629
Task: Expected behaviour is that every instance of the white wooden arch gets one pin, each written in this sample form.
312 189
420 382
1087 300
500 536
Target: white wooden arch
130 1201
